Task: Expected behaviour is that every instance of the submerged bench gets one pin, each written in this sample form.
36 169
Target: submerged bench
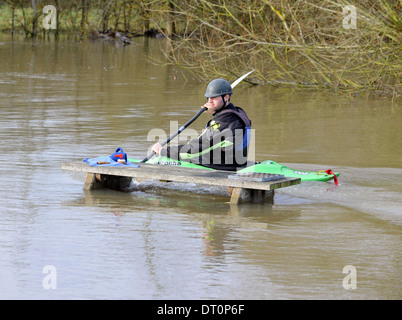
242 189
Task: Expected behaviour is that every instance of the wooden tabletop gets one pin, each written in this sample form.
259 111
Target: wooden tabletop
180 174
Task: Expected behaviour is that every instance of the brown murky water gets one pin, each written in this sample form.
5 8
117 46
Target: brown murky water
64 101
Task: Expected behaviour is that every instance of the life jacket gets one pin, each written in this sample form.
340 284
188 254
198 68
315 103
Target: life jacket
247 125
241 149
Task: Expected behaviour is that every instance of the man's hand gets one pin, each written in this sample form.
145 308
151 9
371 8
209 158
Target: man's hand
207 105
157 148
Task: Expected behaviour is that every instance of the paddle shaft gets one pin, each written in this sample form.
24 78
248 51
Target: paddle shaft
234 84
176 133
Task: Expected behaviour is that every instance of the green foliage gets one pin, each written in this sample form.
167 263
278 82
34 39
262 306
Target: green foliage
304 43
79 17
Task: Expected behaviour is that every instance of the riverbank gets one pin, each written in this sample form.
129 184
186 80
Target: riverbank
353 50
348 49
73 20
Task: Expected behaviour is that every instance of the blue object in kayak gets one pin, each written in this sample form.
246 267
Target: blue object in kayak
111 161
106 161
119 154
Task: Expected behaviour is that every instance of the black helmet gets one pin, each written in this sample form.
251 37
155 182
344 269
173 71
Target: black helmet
218 87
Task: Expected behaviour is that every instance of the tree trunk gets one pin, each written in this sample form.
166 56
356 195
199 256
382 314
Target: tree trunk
171 25
105 15
35 18
12 19
84 12
56 32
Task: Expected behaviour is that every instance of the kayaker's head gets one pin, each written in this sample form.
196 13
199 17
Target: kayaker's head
218 94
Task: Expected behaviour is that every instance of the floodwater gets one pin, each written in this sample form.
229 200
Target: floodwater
64 101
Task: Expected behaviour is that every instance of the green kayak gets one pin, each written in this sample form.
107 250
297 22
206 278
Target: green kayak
267 166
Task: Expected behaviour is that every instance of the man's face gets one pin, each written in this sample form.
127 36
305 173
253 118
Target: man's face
216 103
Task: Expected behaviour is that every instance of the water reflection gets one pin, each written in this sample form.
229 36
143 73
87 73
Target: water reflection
215 219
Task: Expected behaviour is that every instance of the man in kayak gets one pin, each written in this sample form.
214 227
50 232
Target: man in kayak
223 145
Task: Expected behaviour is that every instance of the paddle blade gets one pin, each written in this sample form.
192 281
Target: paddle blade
234 84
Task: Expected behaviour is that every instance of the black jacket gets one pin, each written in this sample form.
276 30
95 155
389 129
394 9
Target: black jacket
222 145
